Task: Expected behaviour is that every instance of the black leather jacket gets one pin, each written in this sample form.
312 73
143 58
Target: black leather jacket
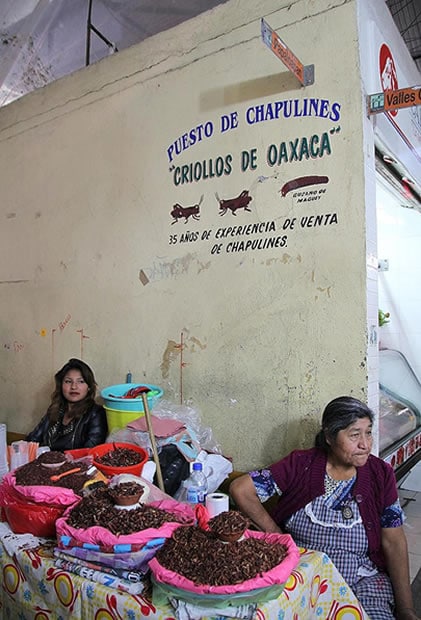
90 430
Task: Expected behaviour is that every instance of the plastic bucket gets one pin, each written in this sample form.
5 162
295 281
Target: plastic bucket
113 397
117 419
79 453
110 471
31 518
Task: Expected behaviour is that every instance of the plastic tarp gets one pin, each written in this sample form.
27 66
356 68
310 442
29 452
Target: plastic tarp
43 40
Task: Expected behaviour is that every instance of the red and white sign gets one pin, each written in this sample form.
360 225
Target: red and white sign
404 451
387 70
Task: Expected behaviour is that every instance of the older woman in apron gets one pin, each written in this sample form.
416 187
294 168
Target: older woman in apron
340 499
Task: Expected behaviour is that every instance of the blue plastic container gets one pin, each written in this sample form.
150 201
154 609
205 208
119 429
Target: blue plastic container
113 397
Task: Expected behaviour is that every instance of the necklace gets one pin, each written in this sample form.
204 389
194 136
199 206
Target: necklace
346 511
342 502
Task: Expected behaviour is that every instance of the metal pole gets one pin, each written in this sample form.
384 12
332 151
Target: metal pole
91 28
88 34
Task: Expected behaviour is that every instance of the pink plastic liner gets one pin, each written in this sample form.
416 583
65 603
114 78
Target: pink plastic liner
277 575
40 494
104 538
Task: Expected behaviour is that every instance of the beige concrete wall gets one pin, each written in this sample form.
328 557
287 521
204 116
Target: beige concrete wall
93 264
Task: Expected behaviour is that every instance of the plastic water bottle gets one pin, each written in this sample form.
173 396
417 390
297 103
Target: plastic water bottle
196 485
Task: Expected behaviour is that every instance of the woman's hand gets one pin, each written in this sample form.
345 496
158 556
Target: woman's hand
244 494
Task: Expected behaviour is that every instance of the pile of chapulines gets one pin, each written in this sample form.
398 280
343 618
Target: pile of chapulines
98 508
201 557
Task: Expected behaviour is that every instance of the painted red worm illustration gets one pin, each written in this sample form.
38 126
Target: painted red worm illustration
303 182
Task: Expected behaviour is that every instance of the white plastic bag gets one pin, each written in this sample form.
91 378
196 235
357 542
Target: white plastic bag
216 467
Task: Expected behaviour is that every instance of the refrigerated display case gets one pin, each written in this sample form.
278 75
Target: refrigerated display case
399 412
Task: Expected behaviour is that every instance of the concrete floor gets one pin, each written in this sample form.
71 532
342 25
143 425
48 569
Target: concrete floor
410 498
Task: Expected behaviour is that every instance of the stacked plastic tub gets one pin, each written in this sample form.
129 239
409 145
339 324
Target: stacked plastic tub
121 409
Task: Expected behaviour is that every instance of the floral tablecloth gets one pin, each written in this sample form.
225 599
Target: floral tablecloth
34 589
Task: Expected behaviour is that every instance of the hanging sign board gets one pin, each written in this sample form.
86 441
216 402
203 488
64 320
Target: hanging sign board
305 74
394 100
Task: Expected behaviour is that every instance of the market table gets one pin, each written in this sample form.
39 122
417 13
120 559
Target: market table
33 588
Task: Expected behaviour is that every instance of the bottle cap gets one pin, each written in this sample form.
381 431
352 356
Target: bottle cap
197 466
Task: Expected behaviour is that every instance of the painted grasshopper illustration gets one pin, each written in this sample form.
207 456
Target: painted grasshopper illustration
178 212
233 204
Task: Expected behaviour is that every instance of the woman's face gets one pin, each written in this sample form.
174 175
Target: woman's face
74 386
353 444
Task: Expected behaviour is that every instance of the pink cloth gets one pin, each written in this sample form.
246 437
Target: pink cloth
275 576
104 538
162 427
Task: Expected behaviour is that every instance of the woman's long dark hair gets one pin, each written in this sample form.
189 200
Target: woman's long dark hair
58 402
339 414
